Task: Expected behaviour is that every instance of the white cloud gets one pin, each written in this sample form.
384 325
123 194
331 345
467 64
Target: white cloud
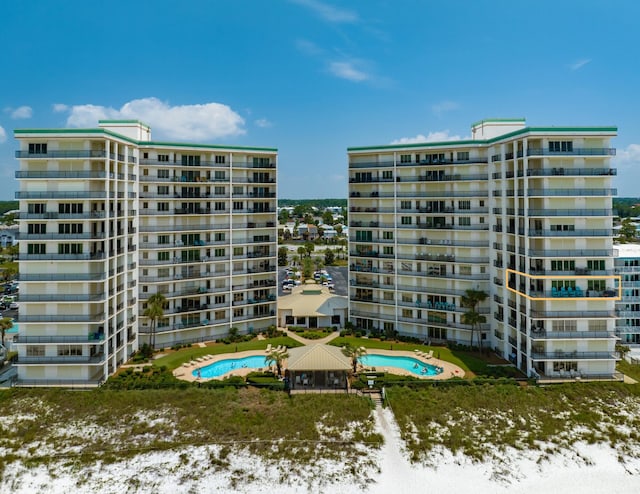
329 12
579 64
3 135
60 107
444 106
438 136
628 157
263 122
184 122
308 47
21 112
346 70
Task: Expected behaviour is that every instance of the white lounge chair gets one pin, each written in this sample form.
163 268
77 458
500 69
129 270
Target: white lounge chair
268 347
429 355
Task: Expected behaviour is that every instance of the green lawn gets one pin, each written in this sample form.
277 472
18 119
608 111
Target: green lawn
633 371
175 359
471 362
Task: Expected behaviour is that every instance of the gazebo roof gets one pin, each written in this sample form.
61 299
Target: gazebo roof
317 357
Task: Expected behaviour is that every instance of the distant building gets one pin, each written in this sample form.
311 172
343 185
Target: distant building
627 266
312 306
8 236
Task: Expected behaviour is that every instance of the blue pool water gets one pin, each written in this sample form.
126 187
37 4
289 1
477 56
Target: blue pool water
221 367
412 365
13 329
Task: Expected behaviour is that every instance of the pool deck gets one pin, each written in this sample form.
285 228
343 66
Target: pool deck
185 371
449 370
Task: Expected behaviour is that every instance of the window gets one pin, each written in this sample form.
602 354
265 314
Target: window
219 206
72 208
597 285
219 175
387 175
70 228
38 208
35 350
218 237
407 313
405 158
163 273
163 157
462 155
387 250
163 256
163 190
563 265
387 295
37 228
481 204
164 239
220 159
363 236
596 264
238 205
238 312
37 148
36 248
190 160
219 315
387 235
163 206
563 228
238 251
335 319
464 270
405 220
69 248
464 204
219 252
69 350
405 204
220 299
163 173
464 221
219 191
561 146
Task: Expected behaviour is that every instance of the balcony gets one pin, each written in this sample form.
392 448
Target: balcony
62 318
569 192
81 174
98 297
572 335
68 153
89 194
571 253
93 338
62 276
569 355
572 152
63 359
575 172
571 233
569 213
569 314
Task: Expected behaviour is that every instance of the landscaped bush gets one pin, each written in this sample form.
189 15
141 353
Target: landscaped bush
235 381
149 378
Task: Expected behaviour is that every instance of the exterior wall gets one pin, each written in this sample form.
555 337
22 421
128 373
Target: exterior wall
102 229
517 216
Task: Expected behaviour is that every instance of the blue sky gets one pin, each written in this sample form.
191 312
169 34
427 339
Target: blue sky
313 77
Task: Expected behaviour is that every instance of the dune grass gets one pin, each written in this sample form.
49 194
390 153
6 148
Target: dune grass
104 425
480 420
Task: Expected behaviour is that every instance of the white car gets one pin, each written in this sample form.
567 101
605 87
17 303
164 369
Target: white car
14 305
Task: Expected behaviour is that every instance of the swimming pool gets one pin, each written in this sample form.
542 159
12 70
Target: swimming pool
221 367
14 329
410 364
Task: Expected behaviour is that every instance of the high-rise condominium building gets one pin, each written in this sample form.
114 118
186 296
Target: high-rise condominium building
108 218
520 213
627 266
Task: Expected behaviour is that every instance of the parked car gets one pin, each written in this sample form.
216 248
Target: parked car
14 305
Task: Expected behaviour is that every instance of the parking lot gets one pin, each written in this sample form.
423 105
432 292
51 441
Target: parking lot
338 273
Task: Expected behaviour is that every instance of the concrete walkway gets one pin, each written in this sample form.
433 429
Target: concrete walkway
305 341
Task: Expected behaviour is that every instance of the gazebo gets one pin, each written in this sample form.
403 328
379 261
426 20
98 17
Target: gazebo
318 367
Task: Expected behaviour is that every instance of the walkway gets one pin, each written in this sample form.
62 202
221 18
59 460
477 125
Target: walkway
305 341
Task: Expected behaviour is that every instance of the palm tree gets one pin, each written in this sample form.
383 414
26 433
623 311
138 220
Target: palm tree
354 353
154 311
277 357
470 300
5 323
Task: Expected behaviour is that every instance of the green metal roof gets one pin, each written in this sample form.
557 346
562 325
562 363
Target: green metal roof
145 144
485 142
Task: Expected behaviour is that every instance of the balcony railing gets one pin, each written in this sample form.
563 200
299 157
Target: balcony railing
98 297
571 233
568 212
573 152
569 192
94 338
549 172
570 335
70 153
568 355
63 359
61 318
62 276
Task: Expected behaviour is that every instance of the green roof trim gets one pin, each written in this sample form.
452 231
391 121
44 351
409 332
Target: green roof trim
498 120
470 142
134 121
143 144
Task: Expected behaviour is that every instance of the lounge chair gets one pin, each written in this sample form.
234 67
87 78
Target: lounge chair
429 355
268 347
